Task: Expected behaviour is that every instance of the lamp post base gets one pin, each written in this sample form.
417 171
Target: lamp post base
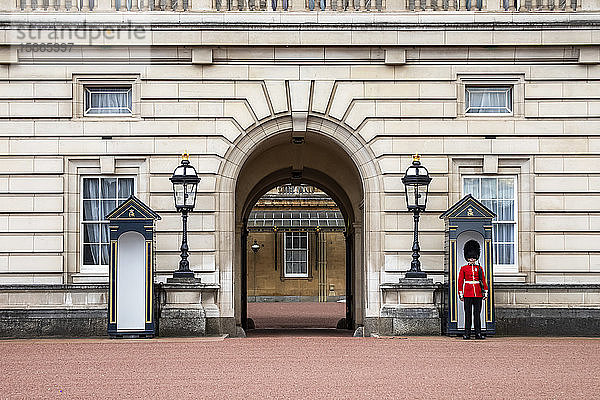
415 274
411 307
179 276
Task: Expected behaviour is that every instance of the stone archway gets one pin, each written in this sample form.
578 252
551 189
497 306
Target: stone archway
331 158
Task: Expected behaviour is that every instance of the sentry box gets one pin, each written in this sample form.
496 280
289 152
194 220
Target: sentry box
130 293
467 220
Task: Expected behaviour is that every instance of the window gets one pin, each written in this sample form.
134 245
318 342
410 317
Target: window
499 195
488 100
102 96
100 195
296 254
108 100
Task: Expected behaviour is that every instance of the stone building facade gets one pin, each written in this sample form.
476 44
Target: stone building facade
98 100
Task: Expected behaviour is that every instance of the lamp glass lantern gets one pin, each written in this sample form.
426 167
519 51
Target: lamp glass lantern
416 181
185 184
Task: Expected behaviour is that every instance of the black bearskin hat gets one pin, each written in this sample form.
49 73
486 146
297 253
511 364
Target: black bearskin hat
472 250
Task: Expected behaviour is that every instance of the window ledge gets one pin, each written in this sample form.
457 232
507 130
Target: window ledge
469 115
510 277
89 278
108 117
296 278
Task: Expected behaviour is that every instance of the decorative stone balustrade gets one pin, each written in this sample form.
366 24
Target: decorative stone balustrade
102 5
296 5
493 5
308 5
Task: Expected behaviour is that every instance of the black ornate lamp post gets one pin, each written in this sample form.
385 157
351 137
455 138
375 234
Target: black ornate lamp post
416 182
185 184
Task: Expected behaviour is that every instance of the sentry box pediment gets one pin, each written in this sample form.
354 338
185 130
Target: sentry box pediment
468 208
466 220
131 310
132 209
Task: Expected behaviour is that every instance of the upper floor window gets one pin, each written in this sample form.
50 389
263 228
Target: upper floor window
499 195
100 195
488 100
296 254
108 100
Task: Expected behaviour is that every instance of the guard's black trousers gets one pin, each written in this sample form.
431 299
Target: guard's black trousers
472 308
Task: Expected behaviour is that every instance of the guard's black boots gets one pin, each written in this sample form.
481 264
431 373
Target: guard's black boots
479 336
466 337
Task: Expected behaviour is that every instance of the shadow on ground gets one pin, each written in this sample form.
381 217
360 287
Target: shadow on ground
304 319
299 332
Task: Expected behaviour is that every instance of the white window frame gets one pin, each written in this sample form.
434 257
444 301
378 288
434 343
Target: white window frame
97 268
81 81
285 250
508 89
515 81
503 268
87 91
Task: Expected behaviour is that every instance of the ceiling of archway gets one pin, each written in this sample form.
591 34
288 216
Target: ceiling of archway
318 162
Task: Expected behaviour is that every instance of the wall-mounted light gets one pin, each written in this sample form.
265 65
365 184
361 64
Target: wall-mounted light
255 247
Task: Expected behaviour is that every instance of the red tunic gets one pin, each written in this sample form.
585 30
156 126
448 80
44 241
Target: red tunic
468 281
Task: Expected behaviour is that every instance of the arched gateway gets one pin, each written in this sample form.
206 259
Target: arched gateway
327 156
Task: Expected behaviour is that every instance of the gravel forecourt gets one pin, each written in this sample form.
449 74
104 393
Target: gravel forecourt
301 364
289 366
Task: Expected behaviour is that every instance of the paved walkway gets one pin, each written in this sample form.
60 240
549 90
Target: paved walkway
287 367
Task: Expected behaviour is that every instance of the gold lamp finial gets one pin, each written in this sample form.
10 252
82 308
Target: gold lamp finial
185 156
416 157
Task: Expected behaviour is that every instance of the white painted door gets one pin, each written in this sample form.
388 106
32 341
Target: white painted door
131 278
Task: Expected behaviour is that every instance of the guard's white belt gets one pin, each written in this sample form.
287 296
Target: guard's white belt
472 282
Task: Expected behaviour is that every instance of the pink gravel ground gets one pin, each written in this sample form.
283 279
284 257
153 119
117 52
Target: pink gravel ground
287 367
301 364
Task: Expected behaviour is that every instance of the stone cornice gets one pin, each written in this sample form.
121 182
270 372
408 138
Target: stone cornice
307 21
301 29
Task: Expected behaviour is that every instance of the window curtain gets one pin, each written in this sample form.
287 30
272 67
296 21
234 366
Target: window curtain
108 101
100 197
91 212
125 189
483 100
504 232
498 194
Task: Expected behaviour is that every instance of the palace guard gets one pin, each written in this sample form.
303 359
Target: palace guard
472 288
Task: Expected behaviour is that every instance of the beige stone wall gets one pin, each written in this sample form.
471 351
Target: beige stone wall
392 107
31 219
